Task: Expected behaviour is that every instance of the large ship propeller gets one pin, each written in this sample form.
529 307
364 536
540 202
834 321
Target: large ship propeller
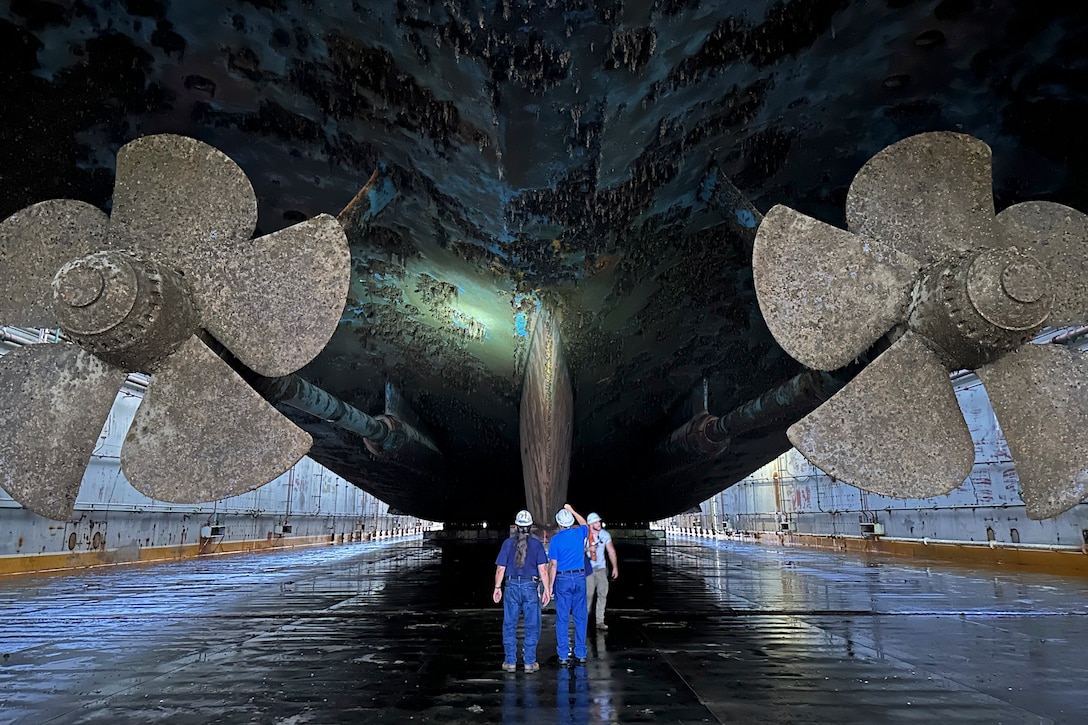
927 263
137 291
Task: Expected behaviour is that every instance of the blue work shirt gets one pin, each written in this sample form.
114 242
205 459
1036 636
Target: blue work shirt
568 548
534 556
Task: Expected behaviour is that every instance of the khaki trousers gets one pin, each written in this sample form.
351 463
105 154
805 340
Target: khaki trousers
597 583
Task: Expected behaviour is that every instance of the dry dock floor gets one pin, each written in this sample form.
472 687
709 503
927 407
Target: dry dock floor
404 631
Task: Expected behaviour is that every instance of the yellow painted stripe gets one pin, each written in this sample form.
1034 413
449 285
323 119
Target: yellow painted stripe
1064 563
42 563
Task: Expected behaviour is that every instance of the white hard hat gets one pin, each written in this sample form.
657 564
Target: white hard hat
524 518
593 518
564 518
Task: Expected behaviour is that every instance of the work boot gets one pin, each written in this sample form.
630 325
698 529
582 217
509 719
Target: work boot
507 667
532 667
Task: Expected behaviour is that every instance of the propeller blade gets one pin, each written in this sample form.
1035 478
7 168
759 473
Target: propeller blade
896 429
183 202
201 433
34 243
276 306
926 195
1039 394
1057 237
825 293
54 400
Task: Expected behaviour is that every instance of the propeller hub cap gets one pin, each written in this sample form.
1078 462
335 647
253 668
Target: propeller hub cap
1009 289
81 285
93 294
1024 281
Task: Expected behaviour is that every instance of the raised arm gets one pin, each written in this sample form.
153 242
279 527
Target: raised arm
577 516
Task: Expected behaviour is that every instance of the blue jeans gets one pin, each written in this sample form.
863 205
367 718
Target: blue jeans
520 597
570 600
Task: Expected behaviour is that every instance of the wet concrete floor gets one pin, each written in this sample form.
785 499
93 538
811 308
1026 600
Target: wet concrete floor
404 632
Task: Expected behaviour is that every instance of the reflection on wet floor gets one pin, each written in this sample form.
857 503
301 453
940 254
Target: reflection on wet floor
406 632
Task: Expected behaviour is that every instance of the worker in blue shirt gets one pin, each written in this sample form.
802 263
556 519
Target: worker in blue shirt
567 573
522 563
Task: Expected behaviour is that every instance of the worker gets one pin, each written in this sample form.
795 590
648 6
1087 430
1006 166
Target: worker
567 573
600 545
523 565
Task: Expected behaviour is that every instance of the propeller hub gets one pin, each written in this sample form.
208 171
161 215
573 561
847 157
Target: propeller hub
125 309
977 306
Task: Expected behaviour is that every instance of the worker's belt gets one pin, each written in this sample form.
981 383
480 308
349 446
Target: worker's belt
522 578
573 571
